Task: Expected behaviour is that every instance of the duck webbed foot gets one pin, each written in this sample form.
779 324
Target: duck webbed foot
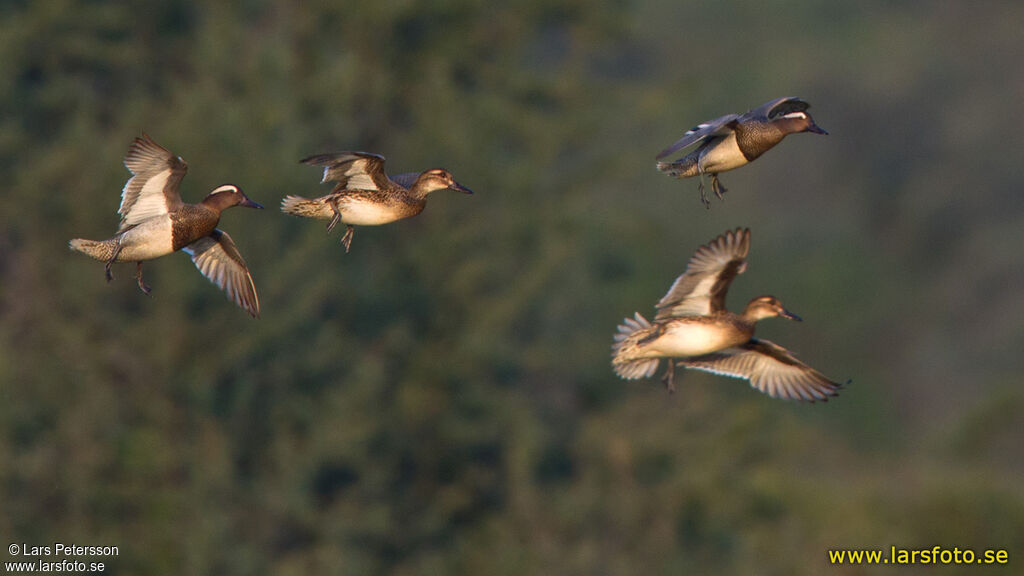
138 278
668 379
336 219
346 240
703 196
718 188
113 257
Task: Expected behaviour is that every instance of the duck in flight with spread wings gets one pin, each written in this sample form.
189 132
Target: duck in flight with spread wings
155 222
365 195
734 140
693 327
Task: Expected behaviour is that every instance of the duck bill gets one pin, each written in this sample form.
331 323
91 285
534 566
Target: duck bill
460 188
790 316
816 129
250 204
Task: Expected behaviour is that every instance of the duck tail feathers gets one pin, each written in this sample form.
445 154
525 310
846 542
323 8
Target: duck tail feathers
682 168
624 350
101 250
299 206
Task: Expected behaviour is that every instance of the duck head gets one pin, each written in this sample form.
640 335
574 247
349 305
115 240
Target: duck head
799 121
767 307
227 196
437 179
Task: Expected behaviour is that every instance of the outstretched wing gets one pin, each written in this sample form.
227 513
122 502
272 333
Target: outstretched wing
219 260
153 188
701 289
771 369
351 170
775 108
717 127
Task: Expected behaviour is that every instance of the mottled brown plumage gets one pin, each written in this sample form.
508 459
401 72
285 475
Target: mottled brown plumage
191 222
694 328
364 195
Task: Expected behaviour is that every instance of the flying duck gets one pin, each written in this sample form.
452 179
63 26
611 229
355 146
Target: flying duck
364 195
694 329
734 140
155 222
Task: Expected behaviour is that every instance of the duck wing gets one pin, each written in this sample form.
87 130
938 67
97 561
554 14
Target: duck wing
775 108
219 260
771 369
406 180
701 289
153 188
718 127
352 170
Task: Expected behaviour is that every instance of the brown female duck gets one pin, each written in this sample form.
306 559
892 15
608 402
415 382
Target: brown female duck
694 327
364 194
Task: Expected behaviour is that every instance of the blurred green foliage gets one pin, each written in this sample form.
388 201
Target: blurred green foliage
439 400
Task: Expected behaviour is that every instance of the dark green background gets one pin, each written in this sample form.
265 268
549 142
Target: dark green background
440 400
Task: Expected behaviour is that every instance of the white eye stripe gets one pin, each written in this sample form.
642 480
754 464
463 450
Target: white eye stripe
795 115
225 188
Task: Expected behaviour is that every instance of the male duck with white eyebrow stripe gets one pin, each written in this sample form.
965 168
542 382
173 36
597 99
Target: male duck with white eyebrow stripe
735 140
155 222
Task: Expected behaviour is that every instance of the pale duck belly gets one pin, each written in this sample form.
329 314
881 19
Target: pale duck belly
360 212
722 156
150 239
682 339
